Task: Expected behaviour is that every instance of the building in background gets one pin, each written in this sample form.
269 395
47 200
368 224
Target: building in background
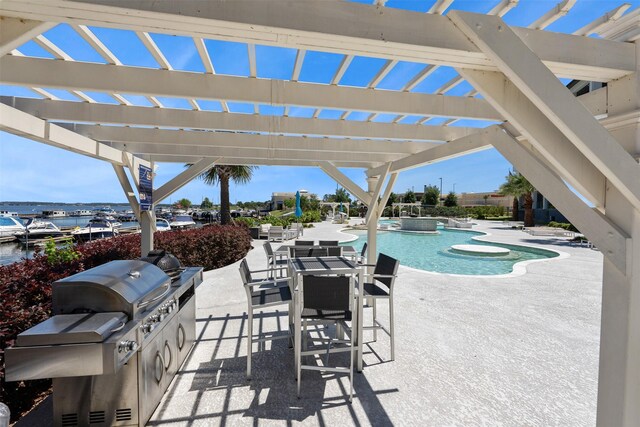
492 198
277 199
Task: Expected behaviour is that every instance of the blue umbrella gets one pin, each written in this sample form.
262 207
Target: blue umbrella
298 212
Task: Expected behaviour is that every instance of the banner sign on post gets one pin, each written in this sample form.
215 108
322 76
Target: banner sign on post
145 189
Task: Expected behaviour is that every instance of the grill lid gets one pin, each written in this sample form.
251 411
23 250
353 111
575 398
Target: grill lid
125 285
72 329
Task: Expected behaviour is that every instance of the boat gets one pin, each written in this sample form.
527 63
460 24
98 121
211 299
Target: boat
54 214
10 226
36 229
126 216
182 221
96 229
8 213
108 218
162 225
81 212
107 210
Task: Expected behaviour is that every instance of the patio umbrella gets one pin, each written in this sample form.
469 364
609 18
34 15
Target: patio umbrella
298 212
340 207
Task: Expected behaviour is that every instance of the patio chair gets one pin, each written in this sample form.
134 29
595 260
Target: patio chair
303 243
328 243
334 250
327 299
297 230
361 258
273 263
380 286
263 231
307 252
276 233
263 293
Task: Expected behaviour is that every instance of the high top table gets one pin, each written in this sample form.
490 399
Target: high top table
326 266
283 250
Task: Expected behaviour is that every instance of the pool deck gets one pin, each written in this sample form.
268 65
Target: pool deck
508 351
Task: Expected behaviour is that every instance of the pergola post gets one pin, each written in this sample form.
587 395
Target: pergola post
147 225
619 375
372 226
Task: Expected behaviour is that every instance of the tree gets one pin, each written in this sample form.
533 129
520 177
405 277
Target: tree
518 186
393 198
342 196
289 203
451 200
409 197
183 204
431 195
222 174
206 204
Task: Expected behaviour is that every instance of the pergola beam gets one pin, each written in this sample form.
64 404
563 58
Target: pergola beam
182 179
14 32
313 26
149 82
238 141
611 241
128 190
570 163
478 141
256 161
22 124
353 188
69 111
271 153
557 103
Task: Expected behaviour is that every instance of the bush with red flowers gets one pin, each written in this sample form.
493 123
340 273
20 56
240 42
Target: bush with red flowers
25 287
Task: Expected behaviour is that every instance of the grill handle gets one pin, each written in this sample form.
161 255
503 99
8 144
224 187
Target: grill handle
154 299
119 328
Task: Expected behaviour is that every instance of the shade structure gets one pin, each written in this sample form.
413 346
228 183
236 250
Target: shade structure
298 212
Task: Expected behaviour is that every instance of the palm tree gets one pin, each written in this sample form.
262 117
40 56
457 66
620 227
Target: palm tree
222 174
518 186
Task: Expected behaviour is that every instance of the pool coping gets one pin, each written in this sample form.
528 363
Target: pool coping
518 269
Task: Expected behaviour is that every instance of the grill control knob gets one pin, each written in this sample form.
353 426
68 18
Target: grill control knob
147 327
127 346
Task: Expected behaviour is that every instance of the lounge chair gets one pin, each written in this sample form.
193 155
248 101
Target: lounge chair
277 233
297 230
264 230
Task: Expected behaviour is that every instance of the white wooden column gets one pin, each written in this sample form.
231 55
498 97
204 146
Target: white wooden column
372 226
619 376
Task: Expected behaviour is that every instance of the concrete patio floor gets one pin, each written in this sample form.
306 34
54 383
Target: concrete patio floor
512 351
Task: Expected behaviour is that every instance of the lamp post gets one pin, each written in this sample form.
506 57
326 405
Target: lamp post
440 197
454 188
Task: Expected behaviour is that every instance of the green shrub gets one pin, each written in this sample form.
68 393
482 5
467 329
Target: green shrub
564 225
63 254
245 221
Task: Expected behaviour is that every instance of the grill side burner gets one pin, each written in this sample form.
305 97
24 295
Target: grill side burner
119 334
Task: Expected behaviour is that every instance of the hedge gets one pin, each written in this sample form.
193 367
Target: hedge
25 287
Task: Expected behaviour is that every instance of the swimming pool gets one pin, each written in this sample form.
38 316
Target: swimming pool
432 252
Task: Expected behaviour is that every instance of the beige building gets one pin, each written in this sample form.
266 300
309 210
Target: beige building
277 199
485 199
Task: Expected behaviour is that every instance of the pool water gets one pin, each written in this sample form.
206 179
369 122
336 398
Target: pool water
432 252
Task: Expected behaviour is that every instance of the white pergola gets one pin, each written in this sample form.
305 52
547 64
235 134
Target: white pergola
560 142
334 205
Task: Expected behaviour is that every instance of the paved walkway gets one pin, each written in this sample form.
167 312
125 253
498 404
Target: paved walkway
512 351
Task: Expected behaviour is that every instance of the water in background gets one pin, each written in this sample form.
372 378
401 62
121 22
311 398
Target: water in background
12 252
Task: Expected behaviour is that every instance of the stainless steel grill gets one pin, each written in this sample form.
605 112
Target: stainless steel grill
118 334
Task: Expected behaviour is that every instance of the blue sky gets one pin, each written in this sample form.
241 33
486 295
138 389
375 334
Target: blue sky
33 171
